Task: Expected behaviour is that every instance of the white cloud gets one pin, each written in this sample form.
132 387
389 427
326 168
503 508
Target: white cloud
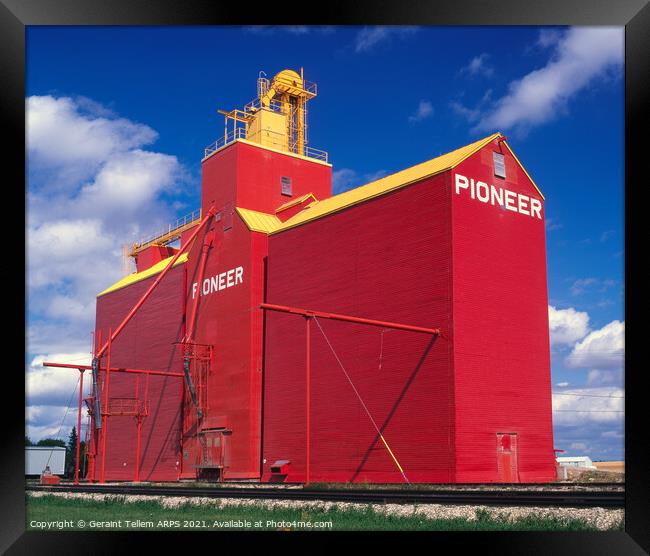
607 234
596 377
579 286
92 187
583 285
64 307
478 66
347 178
59 336
583 406
66 239
53 421
95 214
374 176
424 111
581 55
53 395
64 136
562 384
567 326
343 179
602 349
369 37
552 224
129 181
548 37
472 114
51 385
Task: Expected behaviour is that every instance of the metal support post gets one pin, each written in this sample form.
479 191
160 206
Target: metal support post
81 389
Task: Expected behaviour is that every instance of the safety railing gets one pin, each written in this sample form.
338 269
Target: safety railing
269 138
310 87
311 152
237 133
170 230
256 104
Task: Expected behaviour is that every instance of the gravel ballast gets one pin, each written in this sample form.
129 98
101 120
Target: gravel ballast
600 518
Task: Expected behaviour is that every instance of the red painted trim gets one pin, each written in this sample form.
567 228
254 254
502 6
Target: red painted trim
113 369
105 416
348 318
81 389
308 392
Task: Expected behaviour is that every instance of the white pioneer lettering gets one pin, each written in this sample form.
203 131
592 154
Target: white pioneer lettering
497 196
220 281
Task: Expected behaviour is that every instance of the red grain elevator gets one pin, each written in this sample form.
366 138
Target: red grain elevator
455 244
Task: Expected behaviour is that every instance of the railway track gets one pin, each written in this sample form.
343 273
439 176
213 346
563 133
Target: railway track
558 498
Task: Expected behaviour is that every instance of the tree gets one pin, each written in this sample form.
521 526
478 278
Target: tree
51 442
71 453
28 441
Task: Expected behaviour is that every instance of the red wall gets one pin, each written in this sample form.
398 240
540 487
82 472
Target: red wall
421 255
428 256
231 321
248 176
386 259
153 255
145 343
501 337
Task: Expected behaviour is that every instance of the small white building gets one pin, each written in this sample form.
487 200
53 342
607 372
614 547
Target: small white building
37 457
582 462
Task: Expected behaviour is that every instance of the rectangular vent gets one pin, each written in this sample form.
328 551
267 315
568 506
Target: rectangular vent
499 165
285 183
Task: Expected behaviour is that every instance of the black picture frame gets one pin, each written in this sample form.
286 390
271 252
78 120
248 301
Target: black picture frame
15 15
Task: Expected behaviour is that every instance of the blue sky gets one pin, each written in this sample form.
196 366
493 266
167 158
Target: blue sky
118 117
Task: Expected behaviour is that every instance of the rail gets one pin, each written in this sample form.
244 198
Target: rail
559 498
170 233
273 139
255 105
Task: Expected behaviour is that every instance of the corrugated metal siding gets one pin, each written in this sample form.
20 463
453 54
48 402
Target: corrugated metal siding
502 364
385 259
228 320
259 172
145 343
386 184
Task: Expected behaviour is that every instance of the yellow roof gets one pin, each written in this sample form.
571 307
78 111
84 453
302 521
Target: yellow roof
389 183
259 221
295 202
270 224
137 276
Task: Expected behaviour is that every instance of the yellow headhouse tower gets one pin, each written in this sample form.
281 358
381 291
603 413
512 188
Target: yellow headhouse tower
277 118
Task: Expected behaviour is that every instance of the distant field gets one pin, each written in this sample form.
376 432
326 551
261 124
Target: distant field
115 514
615 466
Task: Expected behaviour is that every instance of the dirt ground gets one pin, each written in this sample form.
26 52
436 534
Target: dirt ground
615 466
595 475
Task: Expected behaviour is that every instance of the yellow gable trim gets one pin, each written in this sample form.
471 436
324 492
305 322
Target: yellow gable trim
139 276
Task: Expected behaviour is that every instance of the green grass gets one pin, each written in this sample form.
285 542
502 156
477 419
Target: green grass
57 509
